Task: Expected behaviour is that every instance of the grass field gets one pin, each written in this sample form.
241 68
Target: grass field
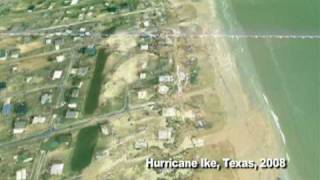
84 148
92 99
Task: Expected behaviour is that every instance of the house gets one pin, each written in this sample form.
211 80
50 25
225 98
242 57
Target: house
105 130
90 50
144 47
58 43
169 112
189 114
165 78
71 114
142 94
146 24
163 89
19 127
3 54
75 93
48 41
101 154
38 119
143 75
164 134
60 58
197 142
83 71
21 174
14 53
74 2
57 74
7 107
72 105
56 169
46 98
200 124
140 144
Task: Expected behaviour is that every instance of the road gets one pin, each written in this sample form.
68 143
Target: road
24 92
77 125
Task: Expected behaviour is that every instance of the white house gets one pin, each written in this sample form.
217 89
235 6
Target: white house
169 112
21 174
197 142
56 169
74 2
164 134
60 58
57 74
72 105
163 89
38 119
143 75
144 47
142 94
165 78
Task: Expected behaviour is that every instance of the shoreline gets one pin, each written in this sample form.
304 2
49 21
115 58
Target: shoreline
231 81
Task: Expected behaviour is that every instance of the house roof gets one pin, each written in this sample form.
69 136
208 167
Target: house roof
56 169
72 114
20 124
7 109
21 174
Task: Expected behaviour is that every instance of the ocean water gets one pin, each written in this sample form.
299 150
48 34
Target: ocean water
283 75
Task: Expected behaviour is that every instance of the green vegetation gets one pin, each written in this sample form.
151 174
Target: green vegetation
194 72
55 142
85 145
92 99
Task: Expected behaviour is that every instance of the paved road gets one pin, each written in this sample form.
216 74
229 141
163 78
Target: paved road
77 125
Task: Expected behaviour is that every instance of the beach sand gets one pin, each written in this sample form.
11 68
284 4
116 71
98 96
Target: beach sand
250 131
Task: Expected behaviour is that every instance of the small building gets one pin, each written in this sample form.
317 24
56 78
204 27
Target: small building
19 127
142 94
163 89
146 24
74 2
83 71
164 134
48 41
56 169
46 98
197 142
7 108
75 93
144 47
60 58
140 144
21 174
90 50
72 105
38 119
143 75
105 130
57 74
71 114
165 78
14 53
169 112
